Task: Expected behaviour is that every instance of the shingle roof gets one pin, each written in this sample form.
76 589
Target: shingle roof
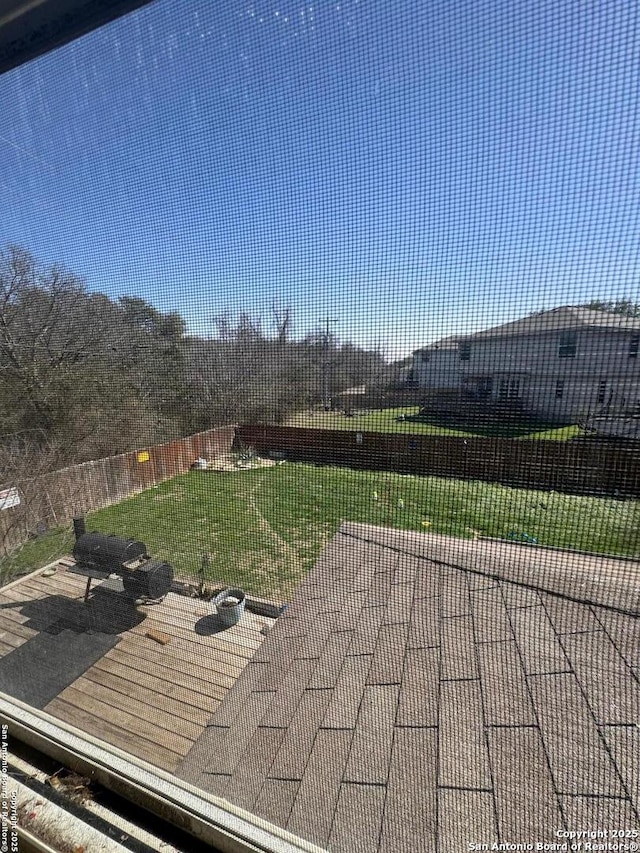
567 317
450 343
421 687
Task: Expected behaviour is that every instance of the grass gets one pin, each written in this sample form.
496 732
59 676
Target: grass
387 420
265 527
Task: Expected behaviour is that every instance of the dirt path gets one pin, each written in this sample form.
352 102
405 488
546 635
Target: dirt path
289 553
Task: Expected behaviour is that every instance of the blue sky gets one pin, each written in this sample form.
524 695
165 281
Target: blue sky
410 169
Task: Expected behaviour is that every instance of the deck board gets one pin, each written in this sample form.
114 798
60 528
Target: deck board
135 744
128 675
148 699
124 713
182 678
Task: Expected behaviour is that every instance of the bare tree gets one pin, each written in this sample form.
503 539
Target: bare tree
283 321
96 376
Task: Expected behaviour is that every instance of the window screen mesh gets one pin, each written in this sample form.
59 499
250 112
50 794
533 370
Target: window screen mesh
333 310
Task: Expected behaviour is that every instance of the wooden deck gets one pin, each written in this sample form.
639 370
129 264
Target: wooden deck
148 699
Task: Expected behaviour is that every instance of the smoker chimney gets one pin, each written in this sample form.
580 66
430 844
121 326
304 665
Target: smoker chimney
79 527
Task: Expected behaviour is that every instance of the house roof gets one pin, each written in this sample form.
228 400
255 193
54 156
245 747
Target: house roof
450 343
425 690
567 317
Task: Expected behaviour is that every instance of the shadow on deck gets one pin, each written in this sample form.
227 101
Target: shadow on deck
93 666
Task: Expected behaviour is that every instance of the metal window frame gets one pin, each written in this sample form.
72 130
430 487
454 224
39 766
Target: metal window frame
31 28
217 822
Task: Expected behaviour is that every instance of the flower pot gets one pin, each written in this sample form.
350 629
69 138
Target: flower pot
230 606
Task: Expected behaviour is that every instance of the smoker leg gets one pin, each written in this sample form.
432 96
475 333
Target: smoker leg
86 592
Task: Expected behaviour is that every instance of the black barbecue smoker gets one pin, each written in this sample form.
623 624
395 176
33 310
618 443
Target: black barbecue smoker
99 555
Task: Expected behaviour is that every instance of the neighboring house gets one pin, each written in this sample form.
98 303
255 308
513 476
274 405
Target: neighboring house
437 366
566 364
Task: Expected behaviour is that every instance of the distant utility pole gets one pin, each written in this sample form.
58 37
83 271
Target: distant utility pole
326 389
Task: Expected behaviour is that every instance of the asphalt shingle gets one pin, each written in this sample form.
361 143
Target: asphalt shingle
611 689
388 658
462 745
373 736
465 817
418 703
490 617
291 759
246 783
276 800
526 803
342 712
504 686
539 646
459 658
357 819
411 803
579 760
315 804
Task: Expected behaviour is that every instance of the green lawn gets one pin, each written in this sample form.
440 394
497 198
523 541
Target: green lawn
265 527
387 420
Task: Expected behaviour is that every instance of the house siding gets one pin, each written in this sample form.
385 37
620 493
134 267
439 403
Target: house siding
601 361
442 371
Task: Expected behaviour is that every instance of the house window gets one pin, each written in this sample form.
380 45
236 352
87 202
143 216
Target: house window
633 346
568 343
484 388
425 358
602 392
559 389
509 389
465 351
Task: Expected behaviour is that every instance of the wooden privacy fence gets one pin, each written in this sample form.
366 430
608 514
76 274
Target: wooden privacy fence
584 467
53 499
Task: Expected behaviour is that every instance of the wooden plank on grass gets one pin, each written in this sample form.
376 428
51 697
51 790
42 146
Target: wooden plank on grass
148 712
183 658
158 637
72 584
113 735
241 639
196 608
19 594
40 589
13 615
35 573
10 643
